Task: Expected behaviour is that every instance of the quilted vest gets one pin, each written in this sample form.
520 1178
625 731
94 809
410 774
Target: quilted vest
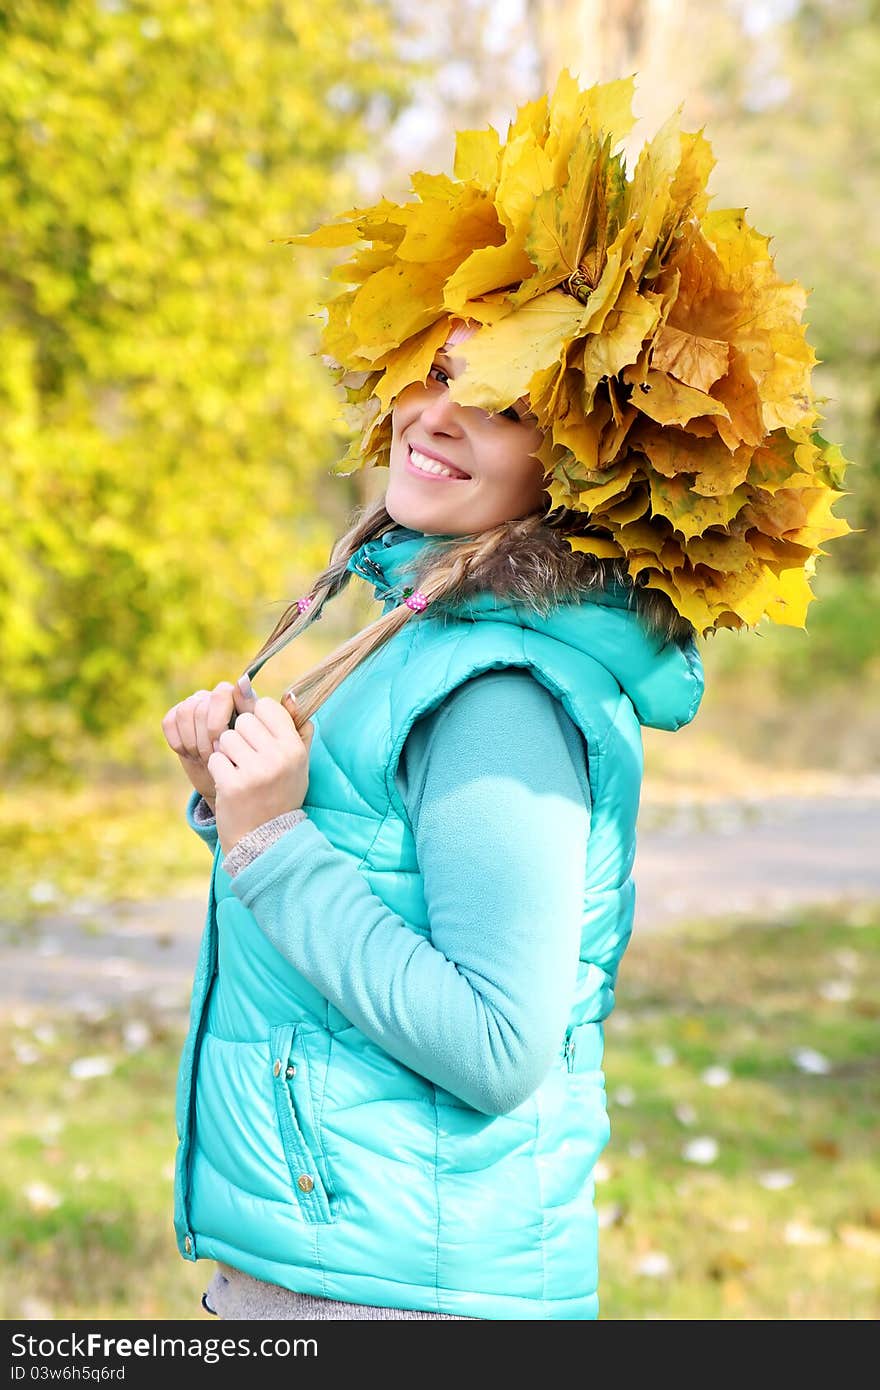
308 1156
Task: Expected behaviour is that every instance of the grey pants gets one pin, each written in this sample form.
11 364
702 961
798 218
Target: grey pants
238 1297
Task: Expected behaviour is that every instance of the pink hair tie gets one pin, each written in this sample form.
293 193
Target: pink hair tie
416 601
303 603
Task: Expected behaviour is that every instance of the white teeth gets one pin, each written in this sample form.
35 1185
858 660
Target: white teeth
427 465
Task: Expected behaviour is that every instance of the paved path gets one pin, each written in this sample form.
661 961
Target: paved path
696 860
754 857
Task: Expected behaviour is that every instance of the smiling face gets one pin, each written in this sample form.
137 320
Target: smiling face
495 478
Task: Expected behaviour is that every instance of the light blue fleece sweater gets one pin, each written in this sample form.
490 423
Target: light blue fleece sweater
495 784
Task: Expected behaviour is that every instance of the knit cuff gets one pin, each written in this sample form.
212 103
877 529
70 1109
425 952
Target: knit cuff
246 850
202 814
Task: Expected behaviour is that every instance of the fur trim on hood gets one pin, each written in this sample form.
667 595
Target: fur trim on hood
528 561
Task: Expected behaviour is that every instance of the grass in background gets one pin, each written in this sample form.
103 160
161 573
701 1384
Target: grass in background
743 1070
71 851
740 1181
86 1194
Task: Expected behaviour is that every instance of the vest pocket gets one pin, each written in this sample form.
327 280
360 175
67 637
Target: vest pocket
296 1118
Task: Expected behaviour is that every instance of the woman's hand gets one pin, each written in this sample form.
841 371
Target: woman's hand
260 769
191 728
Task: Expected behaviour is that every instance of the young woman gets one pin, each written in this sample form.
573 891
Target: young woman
391 1099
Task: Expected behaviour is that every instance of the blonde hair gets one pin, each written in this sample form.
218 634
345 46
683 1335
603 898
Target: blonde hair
446 577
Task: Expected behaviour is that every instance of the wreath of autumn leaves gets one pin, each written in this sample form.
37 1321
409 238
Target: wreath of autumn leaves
663 356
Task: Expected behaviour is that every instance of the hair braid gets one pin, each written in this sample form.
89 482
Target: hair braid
445 577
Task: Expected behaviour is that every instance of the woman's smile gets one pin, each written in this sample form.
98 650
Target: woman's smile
433 438
429 465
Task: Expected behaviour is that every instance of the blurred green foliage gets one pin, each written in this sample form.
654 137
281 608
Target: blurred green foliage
842 643
158 384
793 126
78 850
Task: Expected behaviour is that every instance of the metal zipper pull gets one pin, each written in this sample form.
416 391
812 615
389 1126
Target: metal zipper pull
568 1052
368 569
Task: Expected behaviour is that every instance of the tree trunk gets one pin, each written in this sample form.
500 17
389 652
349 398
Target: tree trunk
660 41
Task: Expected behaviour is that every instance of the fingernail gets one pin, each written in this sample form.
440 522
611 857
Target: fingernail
289 695
247 690
216 745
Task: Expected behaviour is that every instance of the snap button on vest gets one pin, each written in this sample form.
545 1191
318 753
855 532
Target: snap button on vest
305 1183
188 1245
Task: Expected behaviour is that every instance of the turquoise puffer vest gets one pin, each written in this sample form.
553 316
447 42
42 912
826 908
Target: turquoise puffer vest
308 1156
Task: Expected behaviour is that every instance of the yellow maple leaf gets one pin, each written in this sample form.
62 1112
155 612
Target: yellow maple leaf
530 121
411 362
605 109
819 524
738 392
394 304
788 605
690 358
594 496
688 511
600 546
642 536
628 509
603 298
687 598
572 222
719 551
673 451
775 464
502 358
670 402
751 593
476 157
525 174
580 435
482 270
664 192
628 325
440 225
615 437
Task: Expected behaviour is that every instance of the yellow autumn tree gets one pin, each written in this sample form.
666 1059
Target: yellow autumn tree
164 424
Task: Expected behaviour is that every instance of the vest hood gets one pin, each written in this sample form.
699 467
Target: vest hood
539 585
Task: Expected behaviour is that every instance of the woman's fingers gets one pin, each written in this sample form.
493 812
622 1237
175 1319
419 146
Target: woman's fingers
276 717
200 720
197 726
221 708
253 731
306 728
186 723
288 700
244 695
178 725
257 731
208 718
235 747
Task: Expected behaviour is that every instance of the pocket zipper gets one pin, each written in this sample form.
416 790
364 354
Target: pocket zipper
311 1192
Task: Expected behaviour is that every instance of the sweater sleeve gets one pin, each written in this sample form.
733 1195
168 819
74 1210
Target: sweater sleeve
495 782
200 818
